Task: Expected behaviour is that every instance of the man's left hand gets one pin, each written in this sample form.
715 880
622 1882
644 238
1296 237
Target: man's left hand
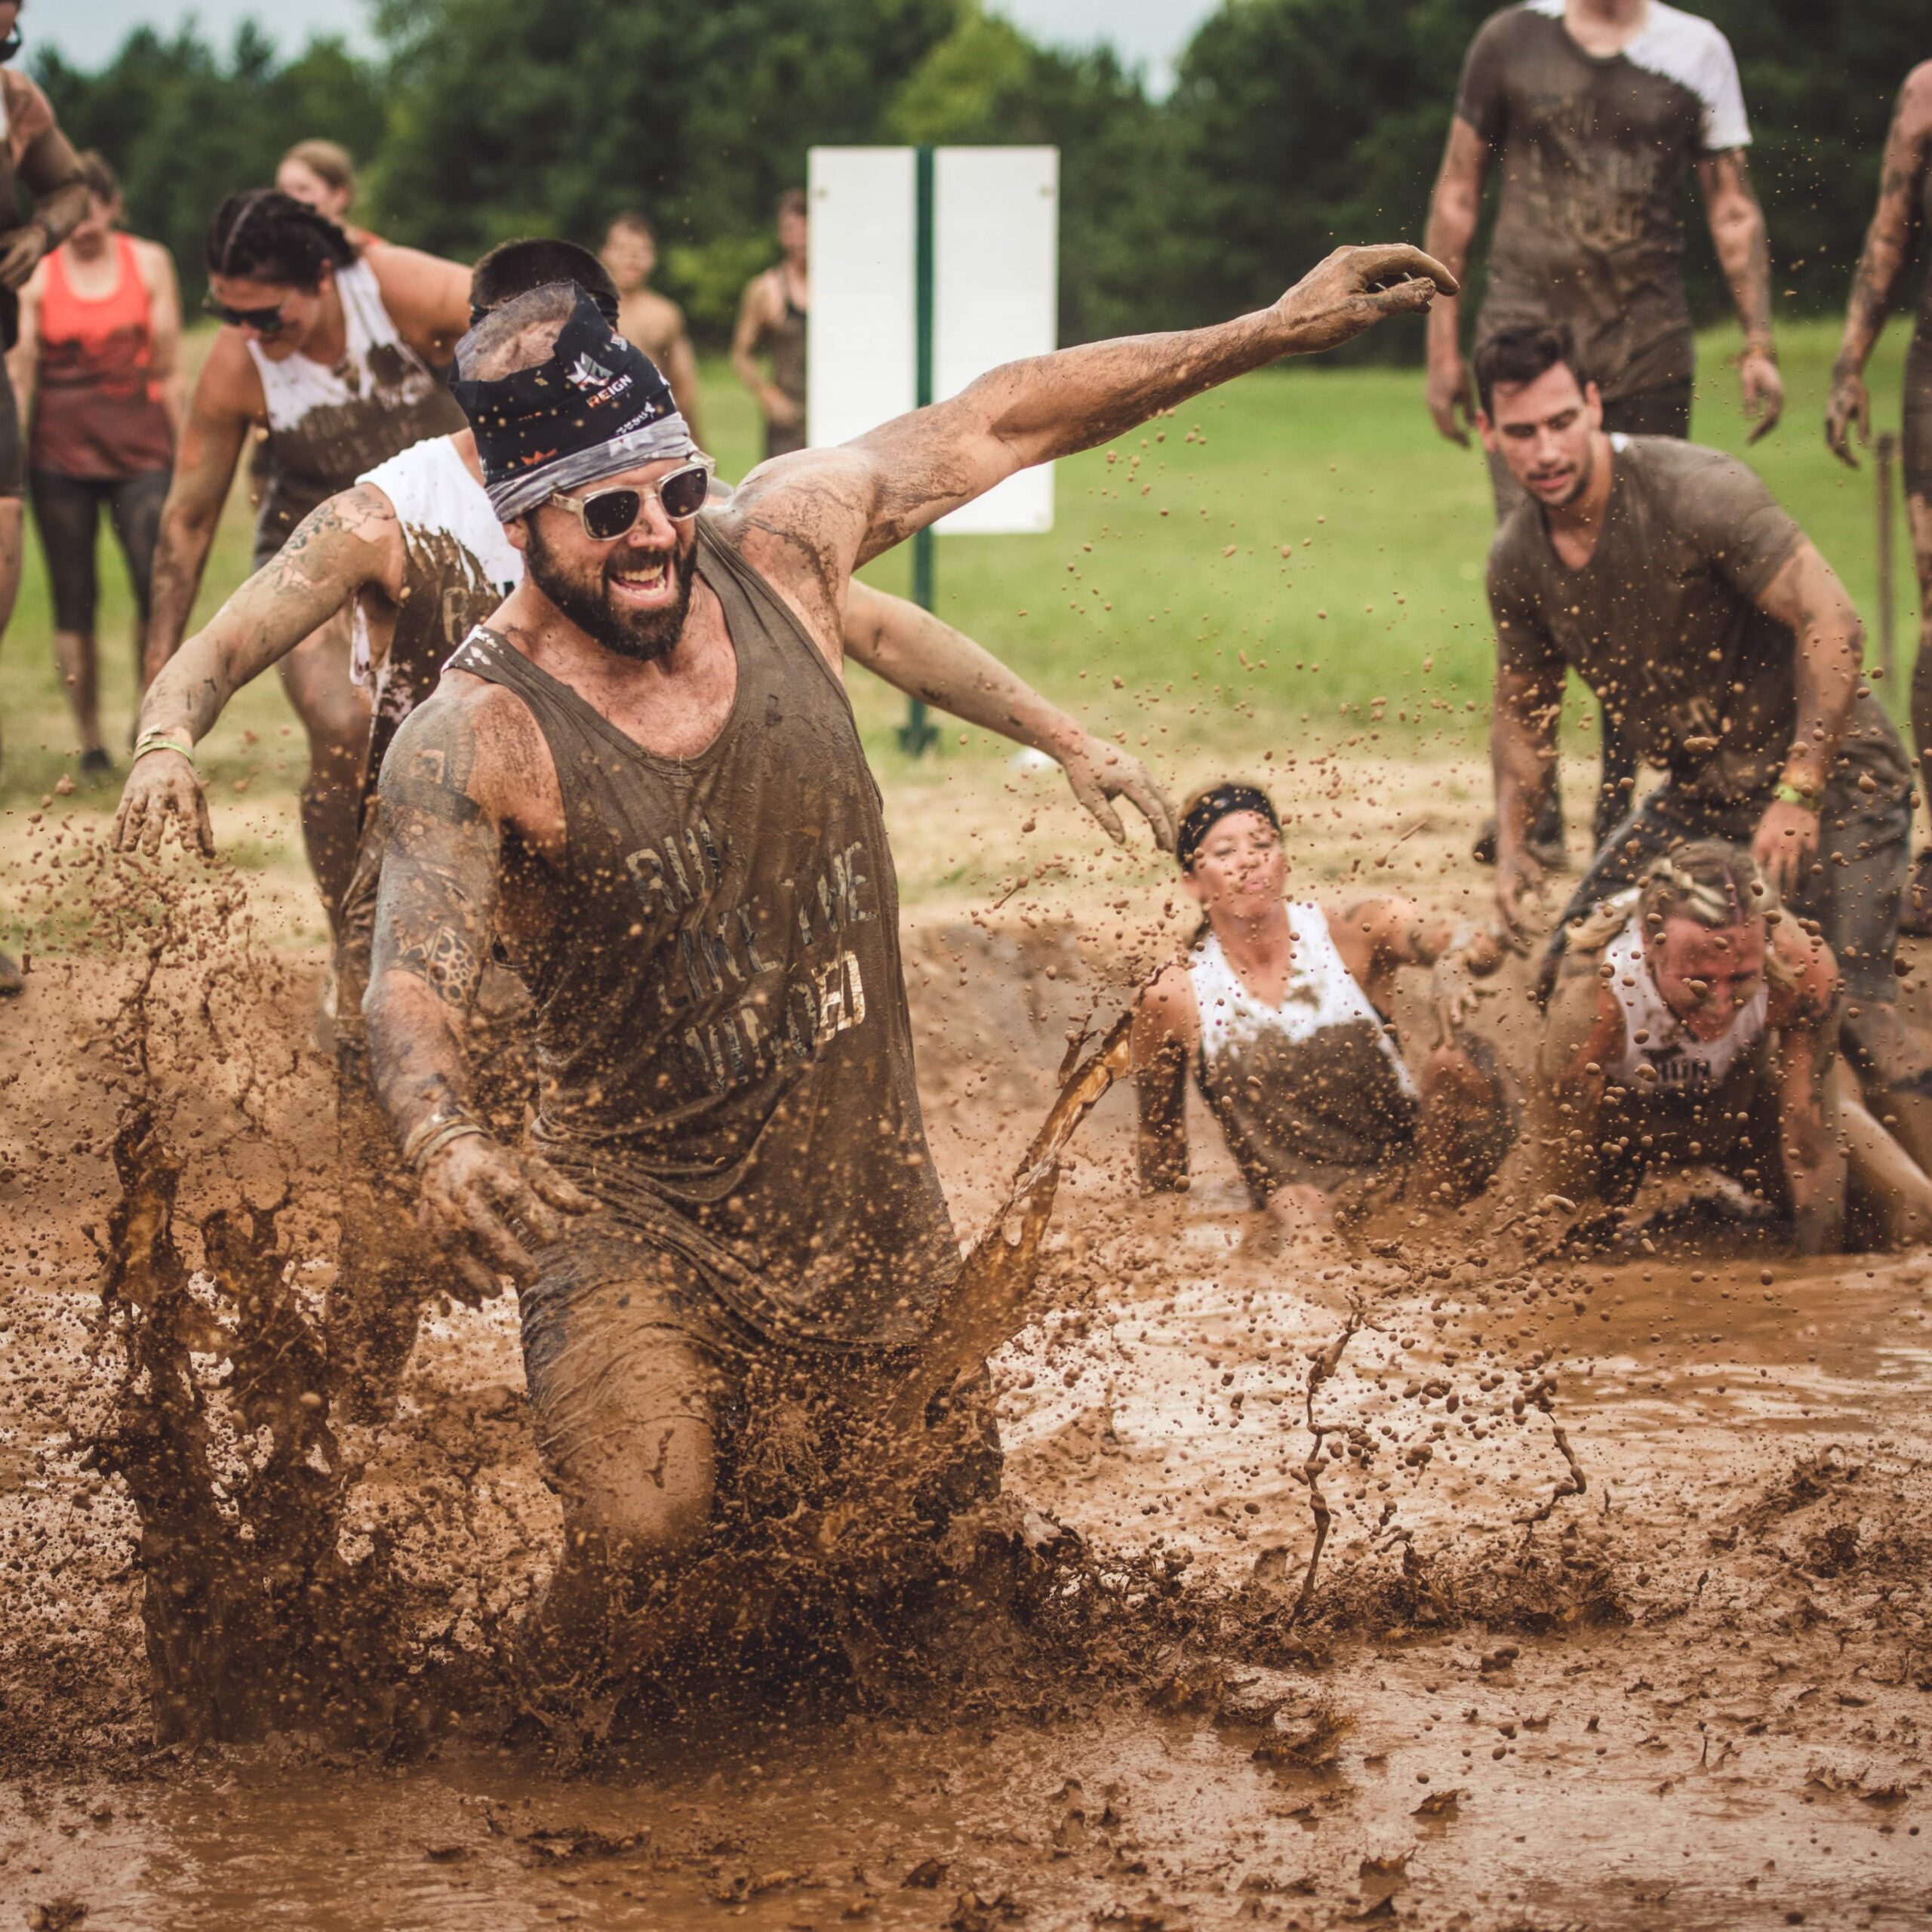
1764 393
1099 772
20 254
1353 289
1785 844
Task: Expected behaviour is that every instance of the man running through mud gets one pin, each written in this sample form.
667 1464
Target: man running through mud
333 349
1693 1024
644 775
1904 206
416 552
1280 1011
1592 113
646 319
1693 607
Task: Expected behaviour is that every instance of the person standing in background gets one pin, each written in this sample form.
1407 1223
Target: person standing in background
1593 112
771 323
97 370
646 319
1905 205
322 175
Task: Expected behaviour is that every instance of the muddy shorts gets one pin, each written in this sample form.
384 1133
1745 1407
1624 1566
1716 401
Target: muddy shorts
621 1336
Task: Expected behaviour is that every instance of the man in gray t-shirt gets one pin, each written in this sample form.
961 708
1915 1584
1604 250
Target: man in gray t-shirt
1725 650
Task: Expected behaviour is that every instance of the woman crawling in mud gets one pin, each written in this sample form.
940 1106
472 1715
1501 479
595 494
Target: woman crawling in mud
1281 1009
1695 1024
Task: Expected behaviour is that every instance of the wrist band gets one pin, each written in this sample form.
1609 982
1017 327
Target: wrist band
160 741
430 1136
1761 345
1788 792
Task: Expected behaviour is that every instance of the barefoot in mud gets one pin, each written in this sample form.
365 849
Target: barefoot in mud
1281 1010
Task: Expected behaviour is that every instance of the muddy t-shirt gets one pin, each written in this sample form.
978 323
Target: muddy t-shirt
1663 623
1591 153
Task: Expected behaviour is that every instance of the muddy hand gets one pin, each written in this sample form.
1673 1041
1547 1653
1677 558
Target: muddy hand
1763 394
1448 392
1518 875
1785 843
162 788
481 1201
20 255
1355 288
1850 409
1098 772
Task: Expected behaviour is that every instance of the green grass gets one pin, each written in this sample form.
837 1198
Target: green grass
1381 597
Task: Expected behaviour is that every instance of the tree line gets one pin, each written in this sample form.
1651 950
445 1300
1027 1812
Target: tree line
1293 125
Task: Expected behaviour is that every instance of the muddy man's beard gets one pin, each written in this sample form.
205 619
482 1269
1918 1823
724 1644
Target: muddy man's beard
584 597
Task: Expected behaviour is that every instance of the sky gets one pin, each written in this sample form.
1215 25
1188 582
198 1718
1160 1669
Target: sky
1148 33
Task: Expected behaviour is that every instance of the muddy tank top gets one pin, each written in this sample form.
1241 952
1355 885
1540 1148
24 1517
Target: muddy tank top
784 342
98 412
1312 1090
327 426
722 1034
1659 1057
458 567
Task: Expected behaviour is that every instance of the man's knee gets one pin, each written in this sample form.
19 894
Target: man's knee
649 1494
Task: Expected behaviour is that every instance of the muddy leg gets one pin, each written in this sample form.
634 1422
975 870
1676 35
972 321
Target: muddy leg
336 715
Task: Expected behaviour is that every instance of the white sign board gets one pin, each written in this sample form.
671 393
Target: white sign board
995 267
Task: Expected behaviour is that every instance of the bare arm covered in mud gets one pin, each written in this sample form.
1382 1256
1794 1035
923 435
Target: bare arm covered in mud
926 658
465 765
1888 248
1522 752
1377 937
352 542
1453 206
1808 599
1803 1008
1744 250
225 400
1167 1030
1582 1037
50 172
808 520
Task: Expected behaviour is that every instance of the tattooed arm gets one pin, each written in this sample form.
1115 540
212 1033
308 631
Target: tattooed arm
927 658
1744 250
226 402
351 543
1808 1141
453 781
1888 244
1166 1029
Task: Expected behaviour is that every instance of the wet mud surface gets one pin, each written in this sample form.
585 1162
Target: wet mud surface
1696 1693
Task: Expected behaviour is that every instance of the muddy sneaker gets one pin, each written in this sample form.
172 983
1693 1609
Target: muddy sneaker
10 979
1915 902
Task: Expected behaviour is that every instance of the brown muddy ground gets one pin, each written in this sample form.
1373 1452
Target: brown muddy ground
1695 1695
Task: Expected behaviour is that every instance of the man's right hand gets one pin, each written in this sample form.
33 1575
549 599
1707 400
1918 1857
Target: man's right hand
1849 409
1518 875
162 786
481 1202
1353 289
782 411
1448 391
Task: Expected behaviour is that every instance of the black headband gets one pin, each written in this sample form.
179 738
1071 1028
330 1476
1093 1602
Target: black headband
597 407
1207 810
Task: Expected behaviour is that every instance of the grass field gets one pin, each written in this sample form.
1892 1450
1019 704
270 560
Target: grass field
1297 558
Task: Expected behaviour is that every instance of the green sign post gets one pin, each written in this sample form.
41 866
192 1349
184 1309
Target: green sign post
918 732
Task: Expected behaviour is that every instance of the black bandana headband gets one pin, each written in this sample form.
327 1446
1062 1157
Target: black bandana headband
596 408
1211 808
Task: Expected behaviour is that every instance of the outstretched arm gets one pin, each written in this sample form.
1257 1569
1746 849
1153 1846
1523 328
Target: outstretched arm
917 653
1744 250
443 812
1887 249
351 541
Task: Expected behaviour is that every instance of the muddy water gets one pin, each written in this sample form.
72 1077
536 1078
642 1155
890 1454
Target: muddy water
1690 1697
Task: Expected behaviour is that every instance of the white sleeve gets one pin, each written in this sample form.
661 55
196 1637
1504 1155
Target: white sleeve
1726 124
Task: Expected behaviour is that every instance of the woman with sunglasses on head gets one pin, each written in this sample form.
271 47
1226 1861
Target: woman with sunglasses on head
1281 1010
332 349
97 367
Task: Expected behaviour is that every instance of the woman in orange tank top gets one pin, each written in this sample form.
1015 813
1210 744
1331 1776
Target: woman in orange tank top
100 325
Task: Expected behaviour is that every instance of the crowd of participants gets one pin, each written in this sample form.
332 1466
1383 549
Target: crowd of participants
601 852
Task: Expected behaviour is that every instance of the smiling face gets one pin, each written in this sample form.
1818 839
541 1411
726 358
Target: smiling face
302 310
630 595
1708 976
1544 431
1239 870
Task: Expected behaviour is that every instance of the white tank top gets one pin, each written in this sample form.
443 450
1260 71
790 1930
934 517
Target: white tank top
1682 1064
294 386
1321 993
434 495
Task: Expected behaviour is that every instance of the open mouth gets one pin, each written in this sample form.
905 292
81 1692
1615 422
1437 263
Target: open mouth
646 581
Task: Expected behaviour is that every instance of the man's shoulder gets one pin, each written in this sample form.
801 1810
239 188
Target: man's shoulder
30 112
1527 21
1697 486
1520 545
1690 34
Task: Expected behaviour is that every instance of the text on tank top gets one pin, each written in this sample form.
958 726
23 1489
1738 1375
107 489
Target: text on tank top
328 424
1680 1063
722 1034
98 412
458 566
1309 1087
